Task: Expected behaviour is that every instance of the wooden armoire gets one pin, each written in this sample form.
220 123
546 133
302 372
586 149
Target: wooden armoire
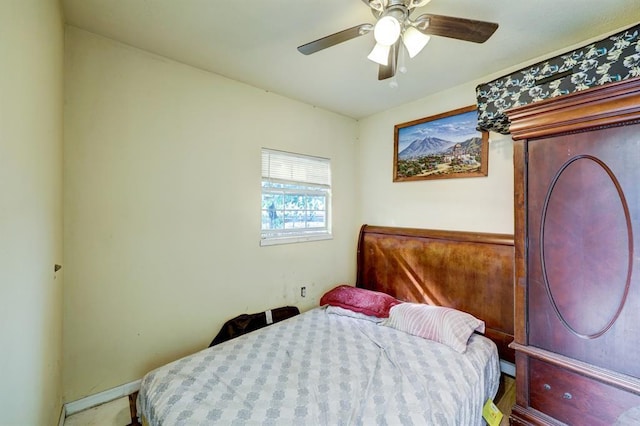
577 244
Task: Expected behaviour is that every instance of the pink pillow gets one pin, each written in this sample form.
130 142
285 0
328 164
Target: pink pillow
367 302
445 325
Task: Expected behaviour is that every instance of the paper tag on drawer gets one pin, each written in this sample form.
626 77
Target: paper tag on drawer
491 413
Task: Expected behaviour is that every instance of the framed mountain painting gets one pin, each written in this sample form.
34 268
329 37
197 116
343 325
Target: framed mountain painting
442 146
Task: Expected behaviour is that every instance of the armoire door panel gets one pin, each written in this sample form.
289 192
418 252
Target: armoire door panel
583 279
584 242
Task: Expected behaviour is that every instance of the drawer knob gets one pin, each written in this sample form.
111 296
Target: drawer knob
546 386
567 395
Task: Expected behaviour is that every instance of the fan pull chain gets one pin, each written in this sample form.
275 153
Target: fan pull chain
402 66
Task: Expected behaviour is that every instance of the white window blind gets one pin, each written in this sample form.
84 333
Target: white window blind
289 167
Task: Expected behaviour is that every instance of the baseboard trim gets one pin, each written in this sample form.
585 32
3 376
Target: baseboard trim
508 368
103 397
63 415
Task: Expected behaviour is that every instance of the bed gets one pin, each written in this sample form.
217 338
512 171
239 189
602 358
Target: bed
342 365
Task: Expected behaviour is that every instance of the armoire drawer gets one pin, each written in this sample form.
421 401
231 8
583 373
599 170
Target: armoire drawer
575 399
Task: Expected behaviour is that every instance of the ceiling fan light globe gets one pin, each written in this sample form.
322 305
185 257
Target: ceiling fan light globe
414 41
387 30
380 54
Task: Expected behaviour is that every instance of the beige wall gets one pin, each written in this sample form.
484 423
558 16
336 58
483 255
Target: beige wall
162 198
31 48
465 204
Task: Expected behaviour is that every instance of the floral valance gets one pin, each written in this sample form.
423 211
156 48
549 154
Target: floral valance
614 58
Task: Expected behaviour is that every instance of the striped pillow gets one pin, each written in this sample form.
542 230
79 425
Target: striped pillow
445 325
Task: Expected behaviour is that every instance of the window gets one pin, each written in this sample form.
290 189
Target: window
296 197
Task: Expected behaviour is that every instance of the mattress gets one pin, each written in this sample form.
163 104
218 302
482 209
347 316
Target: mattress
324 369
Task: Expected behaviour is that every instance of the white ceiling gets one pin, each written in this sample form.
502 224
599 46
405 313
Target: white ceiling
254 41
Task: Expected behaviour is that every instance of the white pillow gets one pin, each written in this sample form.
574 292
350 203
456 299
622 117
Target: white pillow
337 310
445 325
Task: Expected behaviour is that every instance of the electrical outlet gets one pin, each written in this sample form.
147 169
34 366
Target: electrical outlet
303 291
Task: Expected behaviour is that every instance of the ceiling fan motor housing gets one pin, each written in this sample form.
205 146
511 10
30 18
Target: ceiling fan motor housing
381 5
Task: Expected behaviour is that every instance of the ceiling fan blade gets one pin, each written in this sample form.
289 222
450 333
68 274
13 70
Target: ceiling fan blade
336 38
458 28
388 71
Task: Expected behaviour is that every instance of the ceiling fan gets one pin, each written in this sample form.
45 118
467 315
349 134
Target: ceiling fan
394 24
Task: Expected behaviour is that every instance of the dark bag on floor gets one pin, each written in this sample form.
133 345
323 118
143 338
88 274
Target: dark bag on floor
245 323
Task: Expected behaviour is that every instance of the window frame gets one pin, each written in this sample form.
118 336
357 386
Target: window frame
312 187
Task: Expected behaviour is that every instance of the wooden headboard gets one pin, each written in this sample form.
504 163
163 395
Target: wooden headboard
471 272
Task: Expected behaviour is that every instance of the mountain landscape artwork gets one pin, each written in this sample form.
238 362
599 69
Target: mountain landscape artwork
442 146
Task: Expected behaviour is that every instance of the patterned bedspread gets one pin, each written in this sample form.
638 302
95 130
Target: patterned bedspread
324 369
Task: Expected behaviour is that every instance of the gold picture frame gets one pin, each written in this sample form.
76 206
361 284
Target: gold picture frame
441 146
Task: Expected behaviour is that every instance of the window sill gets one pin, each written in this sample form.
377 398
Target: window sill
296 239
